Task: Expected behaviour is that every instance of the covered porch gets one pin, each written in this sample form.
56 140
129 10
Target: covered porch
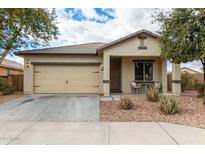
143 70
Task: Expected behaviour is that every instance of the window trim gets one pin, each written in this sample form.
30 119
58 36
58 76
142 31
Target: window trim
142 71
152 70
141 61
142 43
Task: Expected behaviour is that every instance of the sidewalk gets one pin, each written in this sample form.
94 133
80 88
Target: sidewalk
99 133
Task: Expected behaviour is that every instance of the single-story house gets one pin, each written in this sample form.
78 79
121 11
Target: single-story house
190 71
8 68
98 67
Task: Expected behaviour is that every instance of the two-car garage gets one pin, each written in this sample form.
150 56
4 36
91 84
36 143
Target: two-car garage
71 69
66 78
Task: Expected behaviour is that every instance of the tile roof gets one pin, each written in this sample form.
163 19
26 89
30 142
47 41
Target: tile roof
80 49
88 48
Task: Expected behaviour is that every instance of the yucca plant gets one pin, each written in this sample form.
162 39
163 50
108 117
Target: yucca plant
126 103
168 105
153 94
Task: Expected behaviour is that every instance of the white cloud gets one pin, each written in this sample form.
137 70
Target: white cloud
91 13
15 58
125 22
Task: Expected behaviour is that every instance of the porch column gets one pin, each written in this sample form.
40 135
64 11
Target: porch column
176 79
164 76
106 74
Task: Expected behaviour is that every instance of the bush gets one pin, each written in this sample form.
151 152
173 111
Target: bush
126 103
168 105
200 88
153 94
186 80
3 83
5 88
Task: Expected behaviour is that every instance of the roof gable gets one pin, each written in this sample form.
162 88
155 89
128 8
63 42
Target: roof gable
189 70
138 33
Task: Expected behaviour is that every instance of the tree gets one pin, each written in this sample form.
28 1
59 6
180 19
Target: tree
23 28
182 35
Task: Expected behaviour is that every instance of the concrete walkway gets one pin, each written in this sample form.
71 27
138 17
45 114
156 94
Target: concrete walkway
99 133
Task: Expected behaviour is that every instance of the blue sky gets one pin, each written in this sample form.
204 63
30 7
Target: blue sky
78 15
84 25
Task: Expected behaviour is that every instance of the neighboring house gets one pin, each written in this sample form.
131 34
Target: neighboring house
190 71
13 73
196 76
97 67
8 68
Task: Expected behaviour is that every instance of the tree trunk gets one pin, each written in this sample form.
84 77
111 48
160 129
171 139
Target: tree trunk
3 56
10 45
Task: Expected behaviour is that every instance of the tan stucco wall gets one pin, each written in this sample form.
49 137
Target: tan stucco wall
28 72
4 71
15 72
128 71
130 48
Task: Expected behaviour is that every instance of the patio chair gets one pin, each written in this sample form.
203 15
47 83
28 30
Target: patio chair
135 86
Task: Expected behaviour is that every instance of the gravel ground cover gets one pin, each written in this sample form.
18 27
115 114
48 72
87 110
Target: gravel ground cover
192 111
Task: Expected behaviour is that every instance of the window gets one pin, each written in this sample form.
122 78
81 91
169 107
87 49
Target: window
143 71
142 42
9 72
148 71
139 71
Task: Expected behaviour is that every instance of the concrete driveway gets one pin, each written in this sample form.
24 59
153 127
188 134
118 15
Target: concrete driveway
49 119
51 108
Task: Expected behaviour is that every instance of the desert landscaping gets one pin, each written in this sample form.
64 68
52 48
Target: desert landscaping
191 111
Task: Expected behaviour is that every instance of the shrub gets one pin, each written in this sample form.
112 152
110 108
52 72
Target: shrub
186 80
200 88
126 103
153 94
3 83
5 88
168 105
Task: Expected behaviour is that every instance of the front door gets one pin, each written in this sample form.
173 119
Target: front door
115 74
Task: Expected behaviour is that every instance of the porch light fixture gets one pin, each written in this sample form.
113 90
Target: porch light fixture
27 65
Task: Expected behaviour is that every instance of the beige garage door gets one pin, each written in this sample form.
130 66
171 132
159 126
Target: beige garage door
66 79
